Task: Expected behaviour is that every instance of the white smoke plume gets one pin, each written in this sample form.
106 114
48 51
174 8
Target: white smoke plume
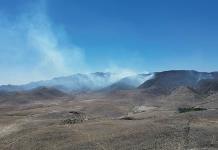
32 49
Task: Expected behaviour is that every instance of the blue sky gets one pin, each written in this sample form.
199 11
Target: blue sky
43 39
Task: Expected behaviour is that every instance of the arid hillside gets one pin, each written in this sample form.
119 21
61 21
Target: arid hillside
182 118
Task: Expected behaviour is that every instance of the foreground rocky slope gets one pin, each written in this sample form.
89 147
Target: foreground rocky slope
119 120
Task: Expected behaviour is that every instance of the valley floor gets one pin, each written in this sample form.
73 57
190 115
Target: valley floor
120 122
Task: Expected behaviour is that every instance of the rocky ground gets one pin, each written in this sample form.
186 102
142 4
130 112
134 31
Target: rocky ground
134 119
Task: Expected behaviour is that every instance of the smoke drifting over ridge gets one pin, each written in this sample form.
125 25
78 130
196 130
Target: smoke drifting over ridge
32 49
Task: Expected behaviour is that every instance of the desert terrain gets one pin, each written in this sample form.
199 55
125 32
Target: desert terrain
136 119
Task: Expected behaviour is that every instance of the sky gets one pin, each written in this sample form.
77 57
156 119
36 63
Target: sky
42 39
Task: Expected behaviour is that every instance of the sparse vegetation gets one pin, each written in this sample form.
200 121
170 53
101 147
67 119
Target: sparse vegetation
92 121
72 121
190 109
127 118
76 117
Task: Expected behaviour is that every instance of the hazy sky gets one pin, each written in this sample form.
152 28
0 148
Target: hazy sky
43 39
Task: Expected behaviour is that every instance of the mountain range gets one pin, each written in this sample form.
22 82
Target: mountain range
162 82
84 82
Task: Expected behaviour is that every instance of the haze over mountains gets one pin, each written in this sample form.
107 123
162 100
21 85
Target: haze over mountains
176 88
85 82
163 82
